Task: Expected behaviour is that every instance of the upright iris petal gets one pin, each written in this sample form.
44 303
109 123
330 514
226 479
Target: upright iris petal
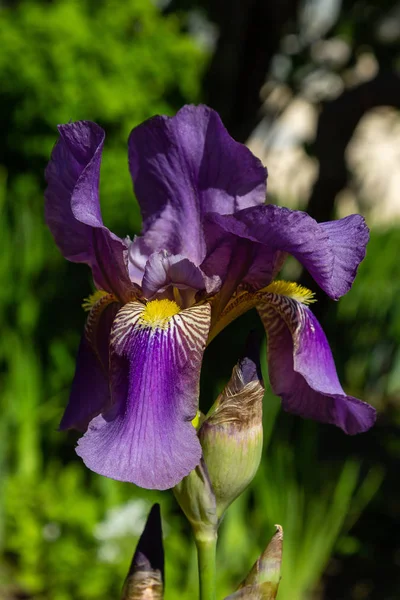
73 210
183 167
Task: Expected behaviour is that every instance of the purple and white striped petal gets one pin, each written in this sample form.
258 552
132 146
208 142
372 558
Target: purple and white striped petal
301 367
331 252
147 437
183 167
73 210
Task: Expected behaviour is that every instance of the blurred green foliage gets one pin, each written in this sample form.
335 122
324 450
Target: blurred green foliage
65 532
371 321
116 63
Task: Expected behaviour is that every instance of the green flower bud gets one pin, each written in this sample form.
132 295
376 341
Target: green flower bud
145 579
196 498
232 435
263 580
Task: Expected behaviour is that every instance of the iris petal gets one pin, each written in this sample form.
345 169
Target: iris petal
301 367
147 437
90 392
73 209
183 167
348 238
331 252
164 270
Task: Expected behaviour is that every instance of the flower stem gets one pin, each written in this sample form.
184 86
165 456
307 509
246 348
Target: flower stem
206 553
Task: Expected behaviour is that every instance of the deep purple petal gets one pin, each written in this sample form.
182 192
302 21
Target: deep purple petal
90 393
185 166
348 239
302 370
73 211
233 254
164 270
147 437
331 252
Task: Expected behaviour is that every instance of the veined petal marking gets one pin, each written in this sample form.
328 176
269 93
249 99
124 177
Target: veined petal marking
282 295
187 328
291 313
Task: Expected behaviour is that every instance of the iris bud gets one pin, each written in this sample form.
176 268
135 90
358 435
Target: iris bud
231 435
196 498
145 579
263 580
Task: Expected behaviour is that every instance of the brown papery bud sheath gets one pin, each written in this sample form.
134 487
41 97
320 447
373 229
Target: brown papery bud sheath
262 582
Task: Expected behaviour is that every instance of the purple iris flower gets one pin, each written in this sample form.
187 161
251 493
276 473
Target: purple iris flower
210 250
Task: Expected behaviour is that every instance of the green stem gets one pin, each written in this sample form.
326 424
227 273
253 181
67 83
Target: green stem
206 553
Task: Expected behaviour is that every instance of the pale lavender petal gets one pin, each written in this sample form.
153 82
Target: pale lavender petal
164 270
302 370
73 211
185 166
138 255
147 437
90 392
331 252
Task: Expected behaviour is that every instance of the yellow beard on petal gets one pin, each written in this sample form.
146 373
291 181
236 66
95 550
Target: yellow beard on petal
89 302
157 313
244 301
291 290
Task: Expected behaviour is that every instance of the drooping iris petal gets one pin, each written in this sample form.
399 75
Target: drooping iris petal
164 270
147 437
348 238
73 211
302 371
90 391
183 167
331 252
